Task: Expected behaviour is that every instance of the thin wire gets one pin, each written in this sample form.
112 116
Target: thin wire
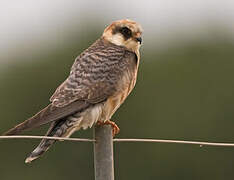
201 143
47 137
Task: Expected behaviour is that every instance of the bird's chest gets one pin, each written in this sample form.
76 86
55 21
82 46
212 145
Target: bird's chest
127 83
124 87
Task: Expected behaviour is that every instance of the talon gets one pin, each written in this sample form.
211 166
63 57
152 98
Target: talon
115 128
99 123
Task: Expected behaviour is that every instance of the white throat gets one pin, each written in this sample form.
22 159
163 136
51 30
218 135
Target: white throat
116 39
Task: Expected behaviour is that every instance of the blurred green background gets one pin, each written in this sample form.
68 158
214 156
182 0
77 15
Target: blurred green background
184 89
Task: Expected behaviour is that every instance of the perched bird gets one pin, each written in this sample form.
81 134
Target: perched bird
100 80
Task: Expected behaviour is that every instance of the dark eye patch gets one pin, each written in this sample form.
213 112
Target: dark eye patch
126 32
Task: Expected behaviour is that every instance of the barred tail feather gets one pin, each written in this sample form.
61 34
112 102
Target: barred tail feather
65 127
59 128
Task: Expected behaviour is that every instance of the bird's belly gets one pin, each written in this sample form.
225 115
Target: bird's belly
84 119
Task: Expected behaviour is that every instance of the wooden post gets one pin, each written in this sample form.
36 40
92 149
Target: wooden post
103 153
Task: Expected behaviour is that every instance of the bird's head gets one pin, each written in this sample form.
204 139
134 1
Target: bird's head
126 33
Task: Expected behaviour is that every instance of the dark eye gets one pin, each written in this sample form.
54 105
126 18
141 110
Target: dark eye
126 32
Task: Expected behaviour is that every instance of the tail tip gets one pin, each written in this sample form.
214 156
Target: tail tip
30 159
34 155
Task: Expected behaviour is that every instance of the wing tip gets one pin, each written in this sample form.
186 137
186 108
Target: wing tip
16 130
10 132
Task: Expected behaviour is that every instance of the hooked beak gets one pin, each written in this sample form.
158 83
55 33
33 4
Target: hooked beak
139 39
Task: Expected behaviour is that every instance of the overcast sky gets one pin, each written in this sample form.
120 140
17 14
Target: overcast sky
35 21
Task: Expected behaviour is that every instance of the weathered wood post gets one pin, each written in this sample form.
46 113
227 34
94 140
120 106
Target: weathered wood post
103 153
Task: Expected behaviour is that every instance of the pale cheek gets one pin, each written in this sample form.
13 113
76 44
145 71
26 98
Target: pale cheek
117 40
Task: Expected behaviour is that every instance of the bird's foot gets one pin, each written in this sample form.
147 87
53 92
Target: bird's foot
115 128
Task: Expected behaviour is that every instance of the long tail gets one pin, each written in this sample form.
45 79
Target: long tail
60 128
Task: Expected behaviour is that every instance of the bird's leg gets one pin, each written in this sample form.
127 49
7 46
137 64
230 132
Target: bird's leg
115 128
